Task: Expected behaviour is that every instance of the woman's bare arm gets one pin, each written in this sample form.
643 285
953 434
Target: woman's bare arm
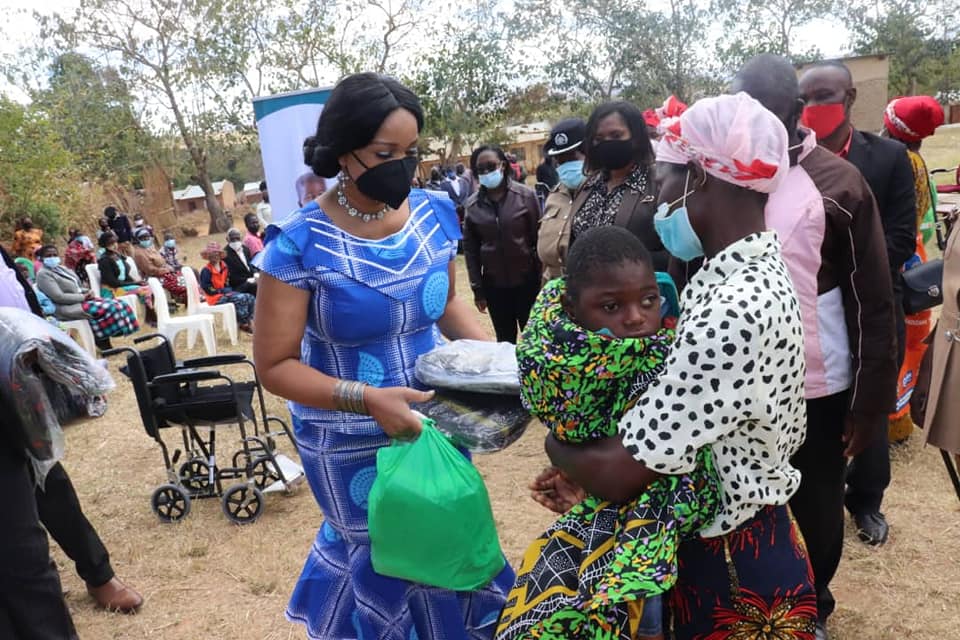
281 318
603 468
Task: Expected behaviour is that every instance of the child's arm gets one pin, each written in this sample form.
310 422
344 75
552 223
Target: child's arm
603 468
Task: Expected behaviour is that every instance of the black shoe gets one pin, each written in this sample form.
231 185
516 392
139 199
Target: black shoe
821 632
103 344
872 528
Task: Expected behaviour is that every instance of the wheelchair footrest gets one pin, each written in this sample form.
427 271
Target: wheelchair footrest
292 471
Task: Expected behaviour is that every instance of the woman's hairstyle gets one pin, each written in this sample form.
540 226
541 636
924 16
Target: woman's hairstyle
357 107
642 149
107 238
602 247
488 147
44 248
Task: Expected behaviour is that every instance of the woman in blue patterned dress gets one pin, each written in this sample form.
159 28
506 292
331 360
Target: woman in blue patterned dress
356 285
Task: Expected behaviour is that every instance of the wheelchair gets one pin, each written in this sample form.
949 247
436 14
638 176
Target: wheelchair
197 398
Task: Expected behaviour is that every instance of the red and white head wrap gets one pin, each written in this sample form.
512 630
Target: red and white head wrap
672 108
734 138
912 119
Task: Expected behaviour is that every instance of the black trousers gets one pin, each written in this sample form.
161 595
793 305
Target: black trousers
869 473
509 307
818 504
60 513
31 598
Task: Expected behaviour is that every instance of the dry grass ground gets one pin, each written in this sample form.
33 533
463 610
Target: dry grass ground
206 578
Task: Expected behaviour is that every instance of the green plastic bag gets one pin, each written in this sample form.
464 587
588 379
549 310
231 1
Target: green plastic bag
430 517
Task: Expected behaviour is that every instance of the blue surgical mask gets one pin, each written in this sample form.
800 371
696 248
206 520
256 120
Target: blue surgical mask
675 230
51 263
146 244
571 174
170 244
492 180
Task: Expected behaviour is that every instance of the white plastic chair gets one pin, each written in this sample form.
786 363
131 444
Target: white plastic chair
134 272
84 334
227 311
171 326
93 274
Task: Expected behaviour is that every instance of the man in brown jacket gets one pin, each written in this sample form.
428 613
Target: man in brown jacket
833 245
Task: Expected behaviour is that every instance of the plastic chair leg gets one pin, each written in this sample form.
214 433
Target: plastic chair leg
191 337
230 323
209 340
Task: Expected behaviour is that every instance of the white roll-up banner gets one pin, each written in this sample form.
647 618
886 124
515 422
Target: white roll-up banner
283 122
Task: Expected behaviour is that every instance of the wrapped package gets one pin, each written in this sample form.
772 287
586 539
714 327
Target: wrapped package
36 356
471 365
478 422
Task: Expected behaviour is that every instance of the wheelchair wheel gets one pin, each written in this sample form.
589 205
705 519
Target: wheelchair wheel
263 472
195 475
170 502
242 503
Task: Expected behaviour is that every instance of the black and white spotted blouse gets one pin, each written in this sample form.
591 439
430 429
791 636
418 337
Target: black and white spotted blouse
734 382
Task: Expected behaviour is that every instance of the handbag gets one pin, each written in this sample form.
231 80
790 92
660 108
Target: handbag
923 287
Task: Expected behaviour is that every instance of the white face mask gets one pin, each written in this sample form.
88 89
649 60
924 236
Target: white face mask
236 246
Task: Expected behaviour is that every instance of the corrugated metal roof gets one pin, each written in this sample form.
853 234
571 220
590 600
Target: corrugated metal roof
194 191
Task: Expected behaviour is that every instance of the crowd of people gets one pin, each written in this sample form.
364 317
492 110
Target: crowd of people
702 452
125 255
787 231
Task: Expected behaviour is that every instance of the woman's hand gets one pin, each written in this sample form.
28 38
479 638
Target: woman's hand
88 295
481 304
390 407
554 490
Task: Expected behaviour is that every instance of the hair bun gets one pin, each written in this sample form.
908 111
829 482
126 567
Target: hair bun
322 159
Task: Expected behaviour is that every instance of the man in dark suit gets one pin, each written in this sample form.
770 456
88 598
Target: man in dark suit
242 275
829 93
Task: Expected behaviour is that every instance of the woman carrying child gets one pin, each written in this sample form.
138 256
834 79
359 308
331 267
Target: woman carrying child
596 340
732 383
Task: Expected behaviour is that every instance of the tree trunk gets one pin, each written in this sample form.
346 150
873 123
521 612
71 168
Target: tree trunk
198 157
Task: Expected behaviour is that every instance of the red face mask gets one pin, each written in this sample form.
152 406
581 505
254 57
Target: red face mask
823 119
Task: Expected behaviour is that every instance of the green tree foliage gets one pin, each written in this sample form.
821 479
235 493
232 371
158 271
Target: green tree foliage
198 60
463 86
751 27
920 36
38 175
92 110
598 50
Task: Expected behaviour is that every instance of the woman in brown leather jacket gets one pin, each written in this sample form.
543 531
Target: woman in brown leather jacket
500 243
620 189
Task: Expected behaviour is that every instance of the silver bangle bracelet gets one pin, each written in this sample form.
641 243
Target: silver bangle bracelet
348 395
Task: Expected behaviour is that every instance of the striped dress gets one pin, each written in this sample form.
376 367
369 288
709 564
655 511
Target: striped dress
373 310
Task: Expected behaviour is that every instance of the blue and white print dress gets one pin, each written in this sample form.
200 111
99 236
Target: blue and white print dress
373 310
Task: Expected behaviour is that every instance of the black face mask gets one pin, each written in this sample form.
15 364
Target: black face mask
388 182
612 154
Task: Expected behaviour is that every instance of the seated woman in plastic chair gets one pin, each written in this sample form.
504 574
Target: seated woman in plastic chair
214 281
116 279
107 317
151 264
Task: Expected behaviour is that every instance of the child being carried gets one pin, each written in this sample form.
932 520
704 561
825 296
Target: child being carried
594 342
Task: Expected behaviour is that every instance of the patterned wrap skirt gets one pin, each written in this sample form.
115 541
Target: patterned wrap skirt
141 291
339 596
589 574
754 583
243 303
110 318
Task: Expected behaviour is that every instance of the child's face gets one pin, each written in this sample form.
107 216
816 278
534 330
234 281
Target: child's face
624 299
